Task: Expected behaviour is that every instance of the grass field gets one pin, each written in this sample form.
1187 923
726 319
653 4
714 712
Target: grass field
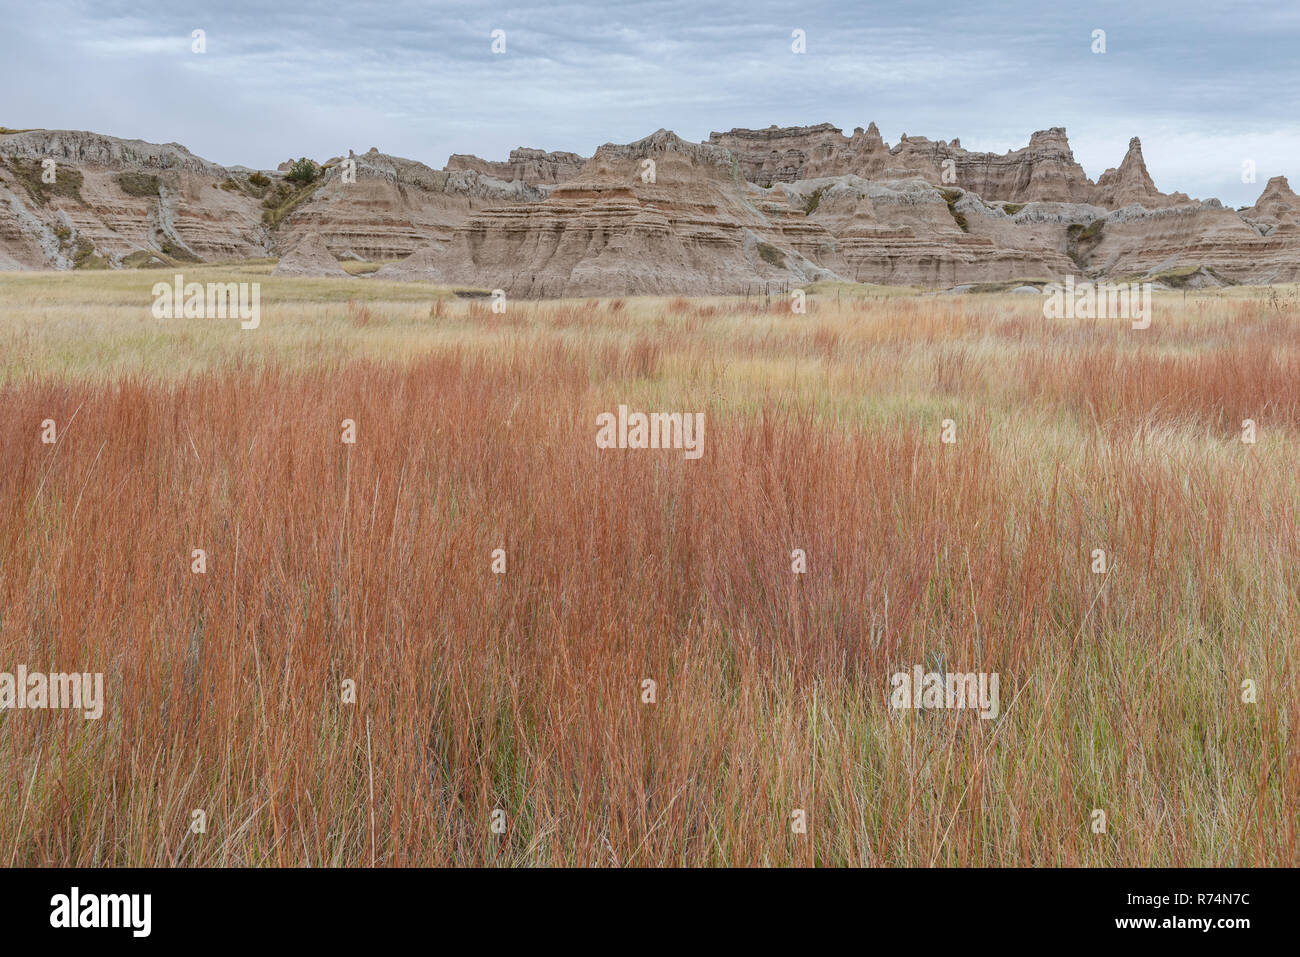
478 692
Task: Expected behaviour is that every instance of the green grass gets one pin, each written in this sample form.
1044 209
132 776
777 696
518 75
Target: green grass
814 201
1084 233
1179 276
1006 285
281 203
951 196
85 256
770 254
138 184
1081 240
147 258
30 172
177 252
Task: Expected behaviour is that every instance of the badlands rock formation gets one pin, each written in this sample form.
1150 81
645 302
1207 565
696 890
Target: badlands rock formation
688 228
534 167
392 206
747 210
1276 206
111 198
1043 171
309 257
123 202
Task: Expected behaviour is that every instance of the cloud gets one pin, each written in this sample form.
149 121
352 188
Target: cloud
1200 86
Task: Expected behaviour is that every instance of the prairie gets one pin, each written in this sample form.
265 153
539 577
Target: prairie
1161 691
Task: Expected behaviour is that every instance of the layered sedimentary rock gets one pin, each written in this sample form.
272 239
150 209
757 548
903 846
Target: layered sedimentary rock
748 210
699 226
382 207
309 257
80 148
810 201
534 167
23 243
110 198
621 227
121 202
1043 171
791 153
1276 206
908 232
1136 241
1131 185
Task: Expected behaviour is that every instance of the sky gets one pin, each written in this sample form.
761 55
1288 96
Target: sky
1207 86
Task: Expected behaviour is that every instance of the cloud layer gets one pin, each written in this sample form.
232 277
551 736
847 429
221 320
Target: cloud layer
1204 89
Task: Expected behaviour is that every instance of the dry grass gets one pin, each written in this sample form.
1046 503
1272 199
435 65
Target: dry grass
477 691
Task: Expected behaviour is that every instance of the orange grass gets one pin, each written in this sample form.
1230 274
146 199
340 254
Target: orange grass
522 692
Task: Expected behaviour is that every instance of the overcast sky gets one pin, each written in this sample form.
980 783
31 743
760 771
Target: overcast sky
1204 89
